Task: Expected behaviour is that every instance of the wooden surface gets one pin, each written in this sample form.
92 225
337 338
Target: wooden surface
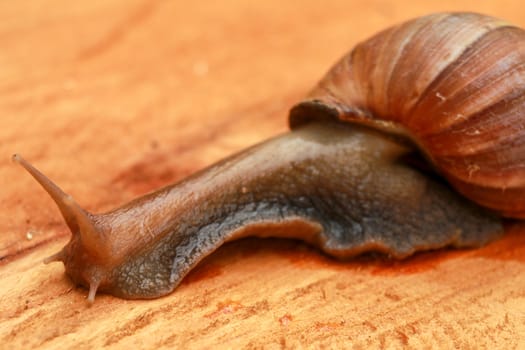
113 99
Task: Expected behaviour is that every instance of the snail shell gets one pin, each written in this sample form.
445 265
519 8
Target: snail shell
451 83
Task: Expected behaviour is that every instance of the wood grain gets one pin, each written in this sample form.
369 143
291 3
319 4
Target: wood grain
113 99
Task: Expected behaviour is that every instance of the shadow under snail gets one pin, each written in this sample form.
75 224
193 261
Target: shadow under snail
441 94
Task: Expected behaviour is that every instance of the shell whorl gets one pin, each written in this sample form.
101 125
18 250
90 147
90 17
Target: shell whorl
455 85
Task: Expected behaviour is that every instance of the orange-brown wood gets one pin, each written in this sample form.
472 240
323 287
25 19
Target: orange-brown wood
113 99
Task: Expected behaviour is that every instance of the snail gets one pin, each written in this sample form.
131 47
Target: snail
414 140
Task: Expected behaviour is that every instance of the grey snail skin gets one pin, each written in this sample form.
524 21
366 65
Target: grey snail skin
414 140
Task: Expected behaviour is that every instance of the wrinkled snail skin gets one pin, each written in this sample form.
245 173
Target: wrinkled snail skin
344 189
350 177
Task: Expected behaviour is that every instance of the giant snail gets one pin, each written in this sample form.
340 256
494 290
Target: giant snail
441 97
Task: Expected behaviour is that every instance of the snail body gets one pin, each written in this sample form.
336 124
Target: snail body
350 176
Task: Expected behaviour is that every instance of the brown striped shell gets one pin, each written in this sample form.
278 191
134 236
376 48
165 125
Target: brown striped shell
454 83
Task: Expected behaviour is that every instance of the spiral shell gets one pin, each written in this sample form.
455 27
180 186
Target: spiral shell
454 84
